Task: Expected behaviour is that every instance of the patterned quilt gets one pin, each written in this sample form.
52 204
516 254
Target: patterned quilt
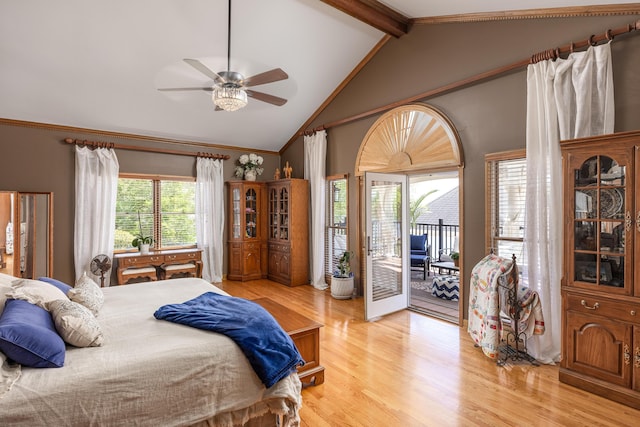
484 302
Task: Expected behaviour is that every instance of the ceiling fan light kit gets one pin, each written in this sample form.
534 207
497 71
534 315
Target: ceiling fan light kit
229 97
229 88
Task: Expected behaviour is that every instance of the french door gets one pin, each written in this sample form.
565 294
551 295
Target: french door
387 273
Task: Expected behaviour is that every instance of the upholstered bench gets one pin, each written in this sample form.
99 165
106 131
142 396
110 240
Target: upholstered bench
174 271
133 275
446 287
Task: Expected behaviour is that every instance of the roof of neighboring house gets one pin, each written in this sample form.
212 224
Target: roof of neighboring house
445 207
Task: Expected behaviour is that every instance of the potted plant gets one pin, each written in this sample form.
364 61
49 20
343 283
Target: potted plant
249 167
342 280
140 240
455 256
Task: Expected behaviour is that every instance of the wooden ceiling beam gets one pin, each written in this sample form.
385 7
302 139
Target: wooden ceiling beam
375 14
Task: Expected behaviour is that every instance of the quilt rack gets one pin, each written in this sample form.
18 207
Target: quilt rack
518 351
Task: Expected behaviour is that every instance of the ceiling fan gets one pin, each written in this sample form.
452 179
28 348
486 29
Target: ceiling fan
230 89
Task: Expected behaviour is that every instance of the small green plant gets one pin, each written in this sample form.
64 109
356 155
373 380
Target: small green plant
455 256
139 238
344 265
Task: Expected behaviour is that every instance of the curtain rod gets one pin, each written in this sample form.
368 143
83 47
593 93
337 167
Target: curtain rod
99 144
537 57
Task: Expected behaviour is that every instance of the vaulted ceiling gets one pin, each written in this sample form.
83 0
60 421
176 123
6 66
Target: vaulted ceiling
99 65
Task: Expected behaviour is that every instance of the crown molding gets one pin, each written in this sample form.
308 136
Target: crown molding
559 12
129 136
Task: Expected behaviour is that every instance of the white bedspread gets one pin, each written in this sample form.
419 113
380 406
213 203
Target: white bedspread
149 372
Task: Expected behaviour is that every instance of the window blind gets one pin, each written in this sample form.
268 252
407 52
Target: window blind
506 192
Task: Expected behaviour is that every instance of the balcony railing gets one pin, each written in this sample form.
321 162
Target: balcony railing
440 236
385 237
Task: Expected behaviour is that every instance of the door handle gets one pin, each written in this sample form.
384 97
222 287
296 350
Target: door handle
368 245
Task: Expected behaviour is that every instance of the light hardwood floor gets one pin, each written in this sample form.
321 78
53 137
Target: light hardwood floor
407 369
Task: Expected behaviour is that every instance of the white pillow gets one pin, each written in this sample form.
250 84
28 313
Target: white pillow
75 323
88 293
35 292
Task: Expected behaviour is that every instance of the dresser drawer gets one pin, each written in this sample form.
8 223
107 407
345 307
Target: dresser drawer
182 257
143 260
601 306
279 247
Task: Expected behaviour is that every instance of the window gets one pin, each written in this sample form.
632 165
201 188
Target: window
336 235
162 207
506 177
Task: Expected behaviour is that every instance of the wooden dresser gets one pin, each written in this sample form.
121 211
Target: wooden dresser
600 298
127 261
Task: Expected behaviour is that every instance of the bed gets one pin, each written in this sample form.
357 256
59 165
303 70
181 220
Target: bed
151 372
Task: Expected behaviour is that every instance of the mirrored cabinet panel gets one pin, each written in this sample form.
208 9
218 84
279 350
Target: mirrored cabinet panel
26 234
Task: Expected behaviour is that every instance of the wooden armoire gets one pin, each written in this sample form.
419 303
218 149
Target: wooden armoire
288 231
600 290
247 228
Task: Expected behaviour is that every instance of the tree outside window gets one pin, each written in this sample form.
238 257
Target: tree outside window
159 207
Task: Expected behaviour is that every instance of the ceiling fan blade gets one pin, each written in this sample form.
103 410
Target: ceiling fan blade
204 70
265 97
274 75
175 89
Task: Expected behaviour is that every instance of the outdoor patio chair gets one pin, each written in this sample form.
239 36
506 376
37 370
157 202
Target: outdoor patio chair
420 253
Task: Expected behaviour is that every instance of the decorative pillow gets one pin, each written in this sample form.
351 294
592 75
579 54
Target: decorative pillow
57 283
35 292
88 293
75 323
28 336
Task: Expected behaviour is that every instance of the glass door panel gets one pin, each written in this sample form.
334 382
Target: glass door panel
387 270
251 213
236 213
599 221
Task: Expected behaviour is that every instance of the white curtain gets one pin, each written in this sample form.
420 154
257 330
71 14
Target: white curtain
95 216
210 216
565 99
315 157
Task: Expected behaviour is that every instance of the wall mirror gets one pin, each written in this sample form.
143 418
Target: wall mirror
26 234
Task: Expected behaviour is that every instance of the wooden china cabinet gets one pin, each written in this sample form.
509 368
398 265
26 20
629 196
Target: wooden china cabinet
600 293
247 244
288 231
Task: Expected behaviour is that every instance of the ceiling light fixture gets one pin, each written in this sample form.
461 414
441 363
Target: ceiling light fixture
230 89
229 97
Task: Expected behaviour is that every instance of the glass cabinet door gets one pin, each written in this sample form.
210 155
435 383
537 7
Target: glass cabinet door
251 213
273 213
283 217
600 197
236 216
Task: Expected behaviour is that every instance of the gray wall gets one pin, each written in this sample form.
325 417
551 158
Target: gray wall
37 159
490 116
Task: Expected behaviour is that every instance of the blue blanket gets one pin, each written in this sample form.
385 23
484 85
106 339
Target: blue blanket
271 352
